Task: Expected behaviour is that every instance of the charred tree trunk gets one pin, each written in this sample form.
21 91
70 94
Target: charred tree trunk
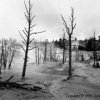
70 55
5 54
26 55
94 52
11 59
50 54
38 57
45 51
1 64
63 56
64 47
2 54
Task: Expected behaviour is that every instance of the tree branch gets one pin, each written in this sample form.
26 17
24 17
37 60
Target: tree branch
26 16
22 37
31 41
74 26
25 30
31 6
26 8
65 24
33 26
32 18
24 43
37 32
24 33
33 48
22 47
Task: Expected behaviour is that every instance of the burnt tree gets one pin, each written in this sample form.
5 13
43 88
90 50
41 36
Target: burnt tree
64 48
50 53
38 56
45 50
69 31
4 53
28 32
12 51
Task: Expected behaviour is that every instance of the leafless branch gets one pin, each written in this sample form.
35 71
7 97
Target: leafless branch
26 8
72 21
24 43
33 26
33 48
32 18
25 30
31 41
31 6
74 26
24 33
37 32
65 24
22 47
26 16
22 37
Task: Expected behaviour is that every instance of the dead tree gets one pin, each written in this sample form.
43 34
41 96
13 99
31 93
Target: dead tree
69 30
27 31
4 53
35 44
45 50
38 56
64 49
2 56
96 63
50 53
11 55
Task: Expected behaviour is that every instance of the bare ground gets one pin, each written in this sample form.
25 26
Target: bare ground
52 78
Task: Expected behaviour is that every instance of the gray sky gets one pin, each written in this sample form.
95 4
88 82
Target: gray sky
48 17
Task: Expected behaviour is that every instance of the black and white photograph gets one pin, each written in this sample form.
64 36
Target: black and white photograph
49 49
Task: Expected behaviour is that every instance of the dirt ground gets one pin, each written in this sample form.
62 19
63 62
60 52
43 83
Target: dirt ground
52 78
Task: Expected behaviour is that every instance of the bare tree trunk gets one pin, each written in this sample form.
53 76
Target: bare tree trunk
94 52
0 67
70 55
38 57
50 54
26 55
45 51
2 54
64 48
5 55
55 55
63 56
11 59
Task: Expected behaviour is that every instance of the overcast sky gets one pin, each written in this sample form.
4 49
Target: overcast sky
48 17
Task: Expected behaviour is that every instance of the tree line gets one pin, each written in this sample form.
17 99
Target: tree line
8 49
88 44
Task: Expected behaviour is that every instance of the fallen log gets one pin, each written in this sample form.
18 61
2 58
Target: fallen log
9 85
8 79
